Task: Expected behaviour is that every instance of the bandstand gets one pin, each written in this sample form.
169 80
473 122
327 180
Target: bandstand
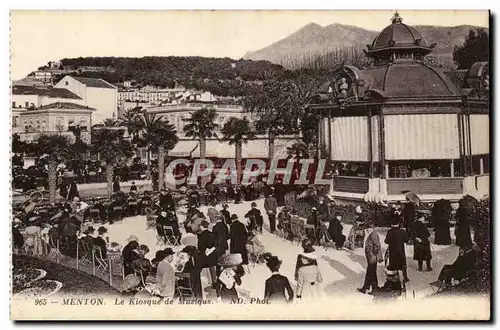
404 124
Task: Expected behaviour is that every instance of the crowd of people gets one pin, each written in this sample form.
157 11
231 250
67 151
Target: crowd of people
220 244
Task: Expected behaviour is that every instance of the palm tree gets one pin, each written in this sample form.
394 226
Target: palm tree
237 131
113 148
131 120
272 102
156 133
201 125
57 148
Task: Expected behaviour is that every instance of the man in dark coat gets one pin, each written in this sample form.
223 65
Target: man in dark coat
441 213
335 231
225 214
100 242
133 187
221 233
267 189
116 185
256 219
73 191
166 200
271 206
396 239
409 218
462 228
279 190
373 254
207 241
312 219
421 246
323 210
238 236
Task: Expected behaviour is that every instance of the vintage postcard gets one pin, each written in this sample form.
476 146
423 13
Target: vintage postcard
250 165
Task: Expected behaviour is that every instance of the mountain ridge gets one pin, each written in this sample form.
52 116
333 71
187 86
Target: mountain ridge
313 40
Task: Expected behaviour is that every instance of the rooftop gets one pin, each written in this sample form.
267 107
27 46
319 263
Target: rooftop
65 105
94 82
49 92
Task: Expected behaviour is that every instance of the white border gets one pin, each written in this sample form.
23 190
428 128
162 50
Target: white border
186 4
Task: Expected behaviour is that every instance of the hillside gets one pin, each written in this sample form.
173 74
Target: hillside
315 40
222 76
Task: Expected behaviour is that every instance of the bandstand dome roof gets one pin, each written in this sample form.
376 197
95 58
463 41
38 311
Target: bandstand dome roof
398 36
409 80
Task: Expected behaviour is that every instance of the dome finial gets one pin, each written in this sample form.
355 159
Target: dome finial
396 18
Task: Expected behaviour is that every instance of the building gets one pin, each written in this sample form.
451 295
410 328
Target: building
96 93
187 147
405 125
55 118
148 94
32 97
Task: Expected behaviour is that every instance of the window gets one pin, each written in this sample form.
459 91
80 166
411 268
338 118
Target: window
13 104
43 124
26 104
66 83
71 122
15 121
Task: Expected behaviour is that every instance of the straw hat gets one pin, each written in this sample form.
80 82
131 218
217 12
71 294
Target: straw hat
132 238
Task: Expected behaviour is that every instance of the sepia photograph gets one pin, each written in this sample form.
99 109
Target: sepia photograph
250 165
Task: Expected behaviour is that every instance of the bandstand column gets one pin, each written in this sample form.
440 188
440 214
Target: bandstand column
329 135
385 166
370 142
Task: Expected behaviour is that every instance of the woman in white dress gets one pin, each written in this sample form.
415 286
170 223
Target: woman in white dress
309 279
33 244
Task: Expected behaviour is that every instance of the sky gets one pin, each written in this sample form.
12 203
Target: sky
38 37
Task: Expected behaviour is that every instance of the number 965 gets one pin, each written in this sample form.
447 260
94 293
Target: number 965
40 302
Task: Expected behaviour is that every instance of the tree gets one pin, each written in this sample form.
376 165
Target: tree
131 120
113 148
475 49
237 131
78 150
201 125
157 134
56 147
18 146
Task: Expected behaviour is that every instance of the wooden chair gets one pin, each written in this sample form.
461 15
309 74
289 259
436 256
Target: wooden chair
95 214
85 251
102 263
55 253
117 213
169 236
184 285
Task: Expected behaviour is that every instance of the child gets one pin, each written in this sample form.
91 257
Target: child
226 283
277 284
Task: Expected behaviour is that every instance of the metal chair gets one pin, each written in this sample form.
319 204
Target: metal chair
310 228
184 285
133 205
117 213
169 236
55 252
95 214
102 263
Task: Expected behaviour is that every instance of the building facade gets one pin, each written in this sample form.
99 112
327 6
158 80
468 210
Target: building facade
403 125
25 98
96 93
55 118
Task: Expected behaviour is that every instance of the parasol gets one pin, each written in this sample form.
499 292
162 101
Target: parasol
412 197
230 260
